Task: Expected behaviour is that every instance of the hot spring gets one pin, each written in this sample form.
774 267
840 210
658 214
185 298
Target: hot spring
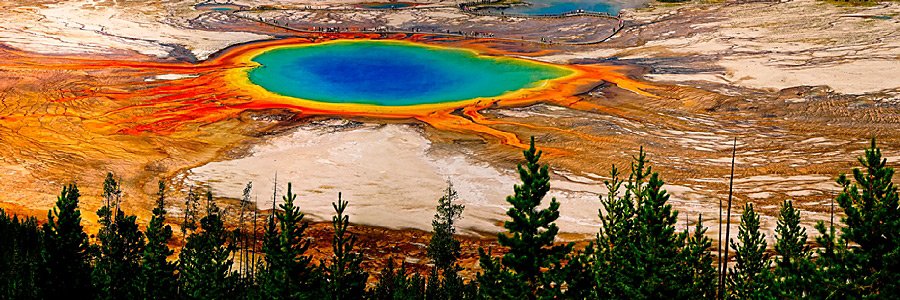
391 73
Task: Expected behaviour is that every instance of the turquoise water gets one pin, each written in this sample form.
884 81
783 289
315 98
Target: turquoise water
391 73
216 7
556 7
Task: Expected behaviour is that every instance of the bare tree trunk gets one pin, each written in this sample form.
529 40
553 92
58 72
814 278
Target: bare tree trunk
274 194
719 263
255 217
728 219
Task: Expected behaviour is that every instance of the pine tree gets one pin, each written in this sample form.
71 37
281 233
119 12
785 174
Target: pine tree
497 282
117 265
831 279
793 268
288 273
158 279
701 283
872 222
612 257
444 249
639 253
189 219
242 235
531 231
346 280
205 259
395 284
658 245
450 286
66 254
271 245
385 286
749 279
20 257
578 275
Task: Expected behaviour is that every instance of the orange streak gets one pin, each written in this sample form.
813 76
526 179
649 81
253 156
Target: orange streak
217 89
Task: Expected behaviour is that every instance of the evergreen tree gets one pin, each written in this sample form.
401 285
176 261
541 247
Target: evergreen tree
578 275
271 244
749 279
66 253
288 274
450 286
118 263
831 279
20 257
444 249
158 279
205 259
657 246
639 253
496 281
244 269
395 284
191 208
346 280
701 284
872 222
793 269
532 231
612 258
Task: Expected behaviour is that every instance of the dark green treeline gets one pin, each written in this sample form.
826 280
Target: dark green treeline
637 254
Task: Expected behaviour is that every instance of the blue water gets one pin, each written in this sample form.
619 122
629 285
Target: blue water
216 7
386 5
556 7
391 73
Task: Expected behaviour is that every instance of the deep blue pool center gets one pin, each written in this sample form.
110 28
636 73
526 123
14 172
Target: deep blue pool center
392 73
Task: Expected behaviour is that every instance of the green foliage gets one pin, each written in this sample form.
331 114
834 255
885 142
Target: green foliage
450 286
614 240
271 243
191 208
288 274
531 231
121 245
443 249
872 224
20 257
578 275
345 278
699 264
832 267
750 278
639 254
205 261
497 282
394 284
794 270
444 281
66 254
158 279
658 245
